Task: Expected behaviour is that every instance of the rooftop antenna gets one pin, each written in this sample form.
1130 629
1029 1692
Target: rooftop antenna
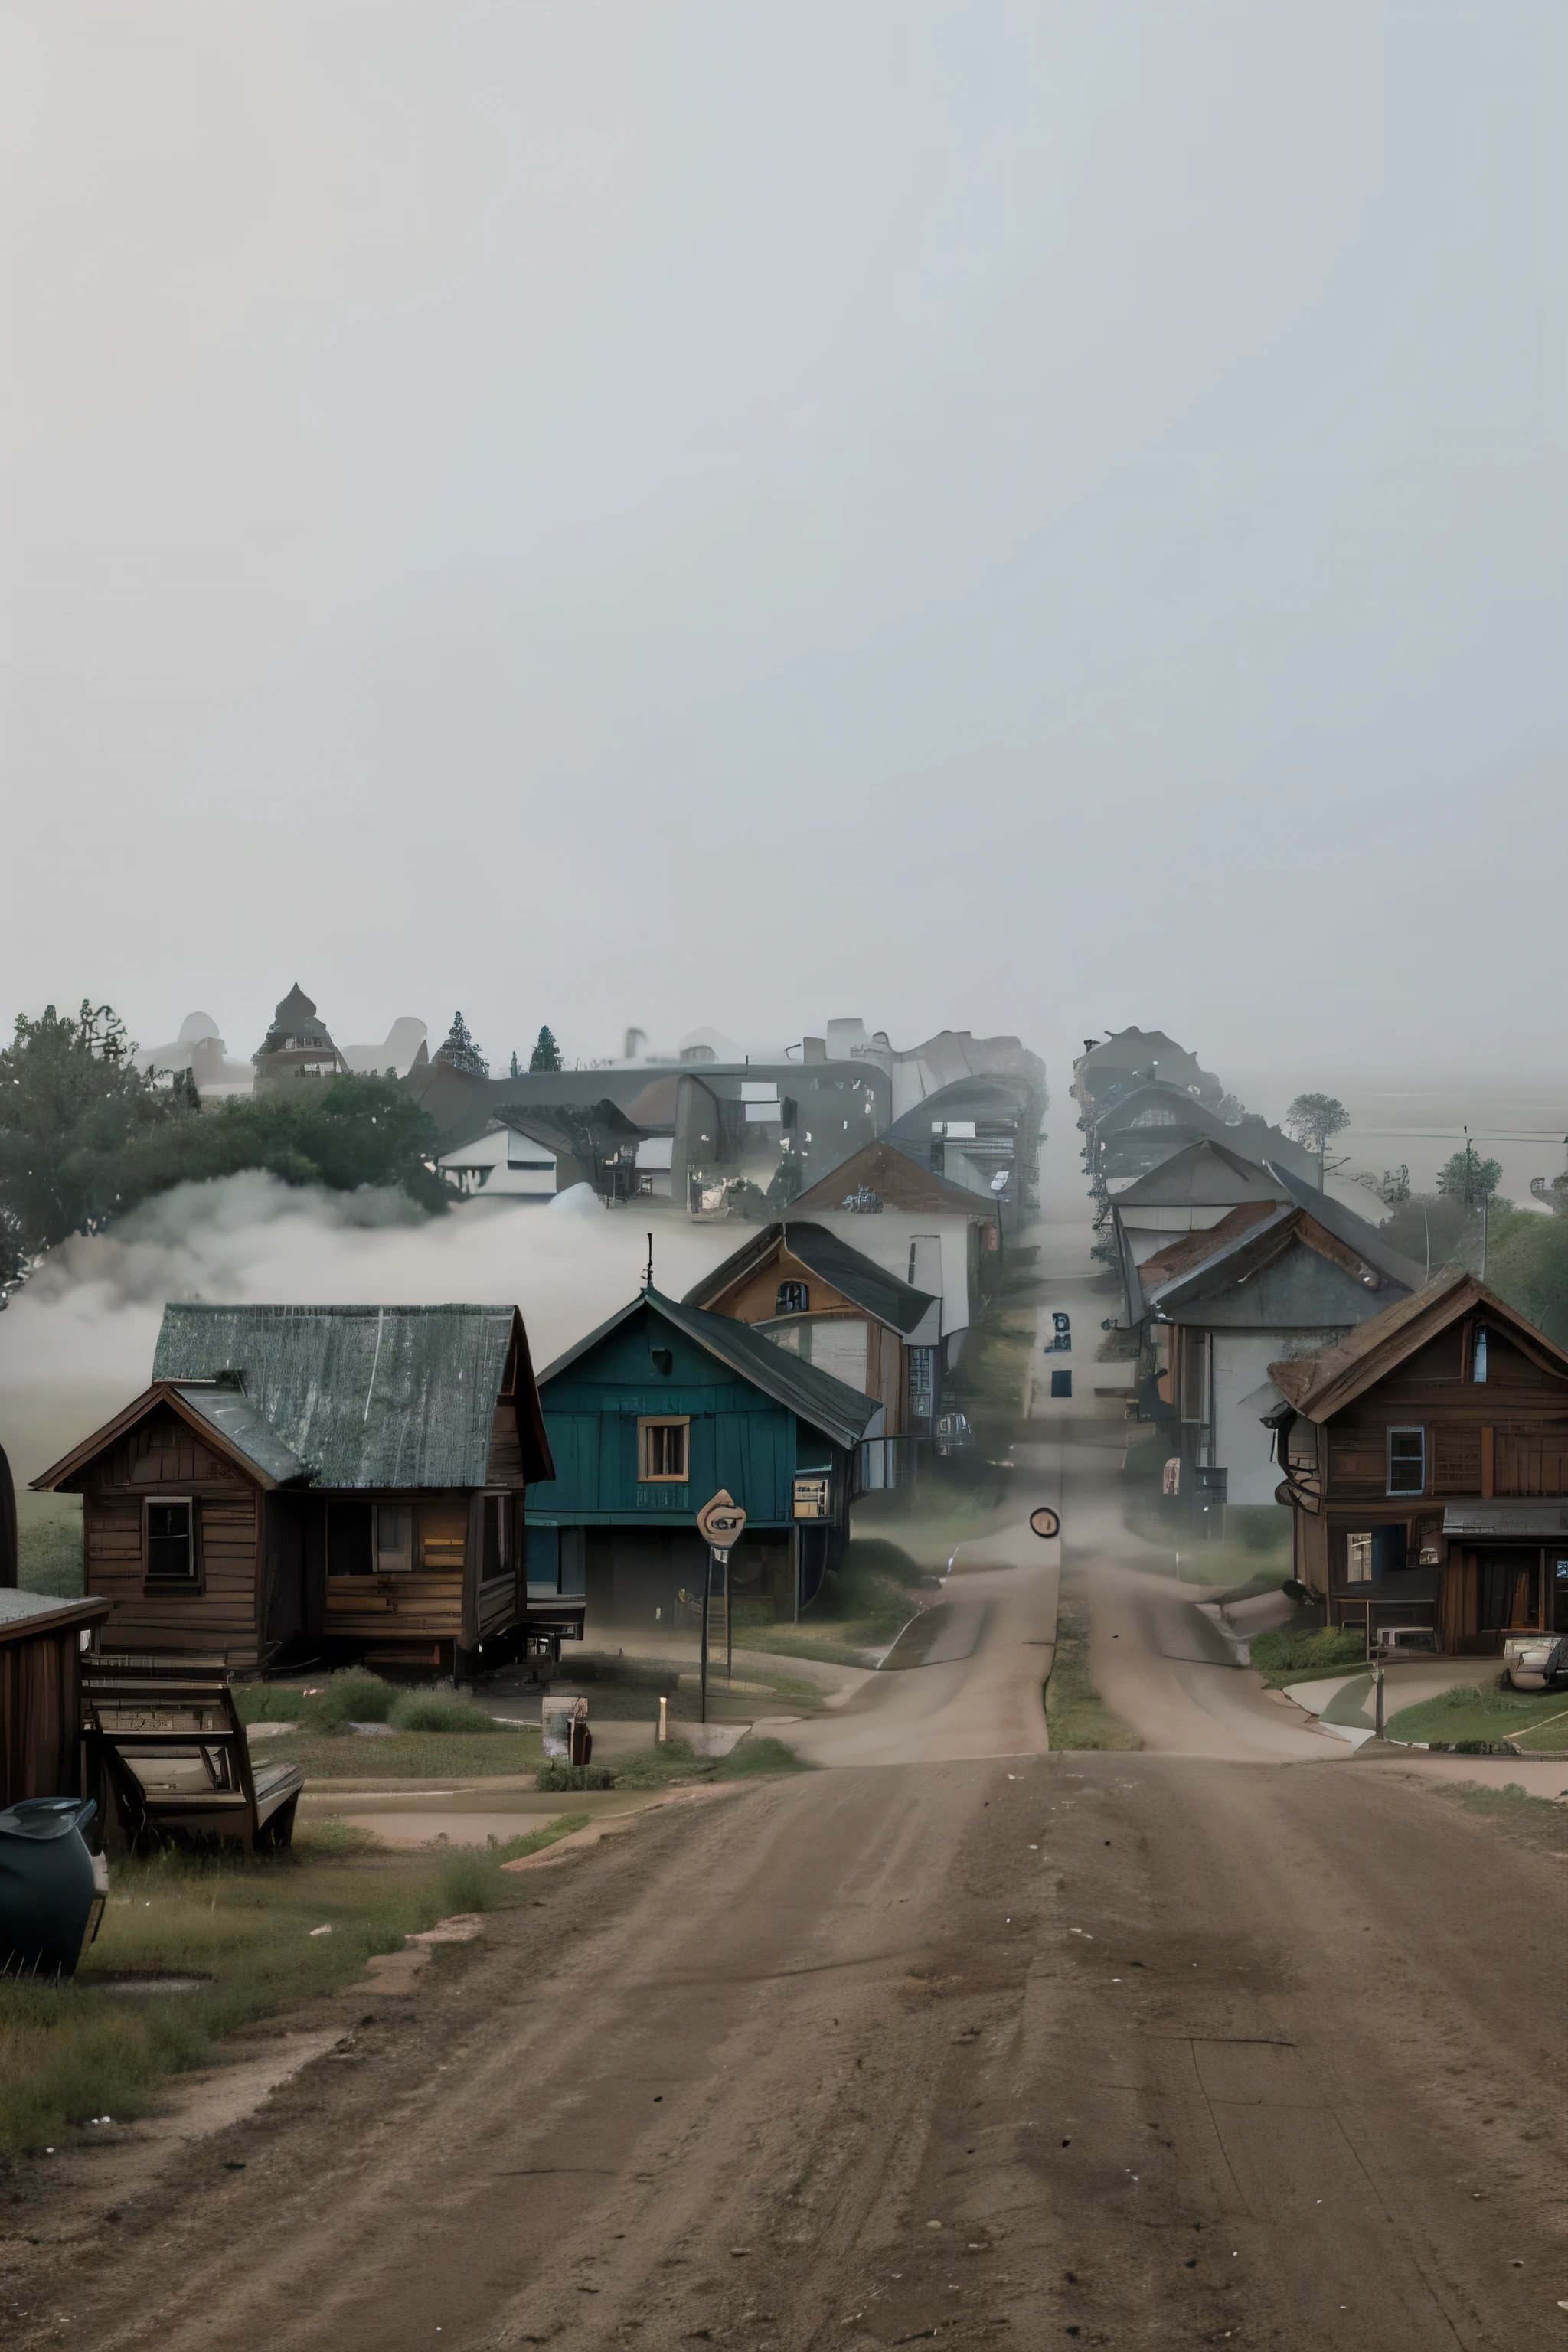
648 1277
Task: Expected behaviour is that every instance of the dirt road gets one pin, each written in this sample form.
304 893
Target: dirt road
1176 2053
1236 2040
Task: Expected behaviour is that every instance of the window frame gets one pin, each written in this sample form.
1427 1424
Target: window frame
195 1580
385 1563
647 1423
799 1296
1355 1536
499 1499
1404 1429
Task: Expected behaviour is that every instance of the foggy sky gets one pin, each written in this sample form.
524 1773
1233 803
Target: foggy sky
1031 517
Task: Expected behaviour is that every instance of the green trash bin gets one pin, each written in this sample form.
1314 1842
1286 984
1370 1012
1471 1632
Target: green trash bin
46 1886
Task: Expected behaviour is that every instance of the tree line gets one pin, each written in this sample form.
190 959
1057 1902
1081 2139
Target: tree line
85 1135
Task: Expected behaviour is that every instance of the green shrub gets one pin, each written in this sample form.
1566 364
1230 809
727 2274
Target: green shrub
557 1775
353 1695
1303 1648
437 1711
470 1879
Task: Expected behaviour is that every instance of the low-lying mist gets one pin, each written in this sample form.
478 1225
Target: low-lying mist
76 1342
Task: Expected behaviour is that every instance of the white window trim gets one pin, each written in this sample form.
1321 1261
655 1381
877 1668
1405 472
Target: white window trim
1404 1429
646 1420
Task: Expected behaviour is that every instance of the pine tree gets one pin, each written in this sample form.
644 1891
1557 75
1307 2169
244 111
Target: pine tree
546 1054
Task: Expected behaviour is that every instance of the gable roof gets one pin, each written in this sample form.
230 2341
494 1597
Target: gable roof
348 1397
1154 1095
840 1411
1185 1253
867 1284
1321 1386
1354 1232
901 1180
1206 1174
1257 1232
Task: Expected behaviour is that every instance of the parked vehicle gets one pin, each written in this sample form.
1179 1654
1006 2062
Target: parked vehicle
1535 1663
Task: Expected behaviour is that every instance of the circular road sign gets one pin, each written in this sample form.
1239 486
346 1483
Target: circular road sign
1044 1521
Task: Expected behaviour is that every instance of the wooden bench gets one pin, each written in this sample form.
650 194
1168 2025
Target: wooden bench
166 1737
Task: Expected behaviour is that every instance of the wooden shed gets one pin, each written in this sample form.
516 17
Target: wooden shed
316 1482
649 1416
40 1693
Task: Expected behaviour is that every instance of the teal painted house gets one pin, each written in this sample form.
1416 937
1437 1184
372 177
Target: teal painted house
647 1418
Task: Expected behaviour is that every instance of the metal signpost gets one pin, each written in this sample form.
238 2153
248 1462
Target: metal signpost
719 1523
1045 1522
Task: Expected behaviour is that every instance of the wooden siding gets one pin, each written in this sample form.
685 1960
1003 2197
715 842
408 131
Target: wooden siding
163 1456
40 1708
504 1468
397 1608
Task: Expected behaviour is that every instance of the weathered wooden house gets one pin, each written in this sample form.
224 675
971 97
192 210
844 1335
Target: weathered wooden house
810 1292
647 1418
1427 1458
316 1482
40 1693
1275 1277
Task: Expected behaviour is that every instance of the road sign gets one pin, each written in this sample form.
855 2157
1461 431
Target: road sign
720 1521
1044 1521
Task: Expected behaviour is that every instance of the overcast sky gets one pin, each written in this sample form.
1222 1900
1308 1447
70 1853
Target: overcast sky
1028 517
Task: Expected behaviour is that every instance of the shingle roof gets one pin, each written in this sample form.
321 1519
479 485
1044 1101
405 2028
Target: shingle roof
882 1168
362 1396
869 1286
840 1411
1187 1252
1320 1386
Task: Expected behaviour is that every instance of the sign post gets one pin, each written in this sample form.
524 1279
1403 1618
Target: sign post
719 1523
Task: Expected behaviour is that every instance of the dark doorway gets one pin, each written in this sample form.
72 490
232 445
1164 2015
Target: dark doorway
1505 1591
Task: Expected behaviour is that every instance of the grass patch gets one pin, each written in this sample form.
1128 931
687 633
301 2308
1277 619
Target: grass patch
750 1757
50 1557
675 1762
995 1374
1472 1712
1291 1651
1513 1808
407 1755
81 2051
1076 1715
829 1645
862 1604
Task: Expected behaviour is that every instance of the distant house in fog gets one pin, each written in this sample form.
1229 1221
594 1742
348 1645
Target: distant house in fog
298 1044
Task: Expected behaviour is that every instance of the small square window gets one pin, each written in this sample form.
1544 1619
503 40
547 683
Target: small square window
171 1541
1407 1461
794 1299
662 1451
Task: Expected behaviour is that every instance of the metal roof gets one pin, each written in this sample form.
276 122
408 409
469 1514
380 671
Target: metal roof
362 1396
869 1286
1206 1174
30 1612
229 1411
832 1406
